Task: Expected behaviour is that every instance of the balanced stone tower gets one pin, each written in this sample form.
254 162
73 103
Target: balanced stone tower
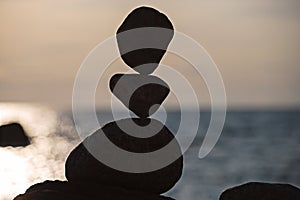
142 94
90 178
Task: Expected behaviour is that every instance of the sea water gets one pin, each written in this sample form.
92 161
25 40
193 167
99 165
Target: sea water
254 146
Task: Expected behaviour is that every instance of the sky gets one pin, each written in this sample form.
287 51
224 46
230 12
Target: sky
255 44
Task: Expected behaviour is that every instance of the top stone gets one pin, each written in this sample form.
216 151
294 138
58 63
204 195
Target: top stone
143 39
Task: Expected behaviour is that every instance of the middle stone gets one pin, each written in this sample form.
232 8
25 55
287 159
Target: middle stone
142 94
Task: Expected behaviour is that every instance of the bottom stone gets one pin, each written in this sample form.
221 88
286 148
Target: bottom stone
63 190
82 166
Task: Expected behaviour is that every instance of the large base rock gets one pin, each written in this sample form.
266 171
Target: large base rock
82 166
261 191
62 190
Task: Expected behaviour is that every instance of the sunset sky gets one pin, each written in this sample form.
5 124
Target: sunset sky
256 45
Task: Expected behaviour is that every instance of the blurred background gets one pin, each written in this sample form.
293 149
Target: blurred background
255 44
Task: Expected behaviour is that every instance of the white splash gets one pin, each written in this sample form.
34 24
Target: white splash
51 141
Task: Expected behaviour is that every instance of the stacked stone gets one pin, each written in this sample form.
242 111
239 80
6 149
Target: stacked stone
142 93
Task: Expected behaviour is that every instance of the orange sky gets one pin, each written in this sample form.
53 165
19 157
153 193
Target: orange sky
256 45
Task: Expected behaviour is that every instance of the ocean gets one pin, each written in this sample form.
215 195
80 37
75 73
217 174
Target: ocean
256 145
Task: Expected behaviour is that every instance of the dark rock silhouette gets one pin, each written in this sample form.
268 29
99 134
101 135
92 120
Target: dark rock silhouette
88 177
151 93
81 166
140 18
13 135
261 191
62 190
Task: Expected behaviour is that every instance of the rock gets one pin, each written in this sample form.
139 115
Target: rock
140 55
92 178
63 190
13 135
261 191
81 166
139 93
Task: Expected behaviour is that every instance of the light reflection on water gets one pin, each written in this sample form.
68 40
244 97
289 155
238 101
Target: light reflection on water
44 158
